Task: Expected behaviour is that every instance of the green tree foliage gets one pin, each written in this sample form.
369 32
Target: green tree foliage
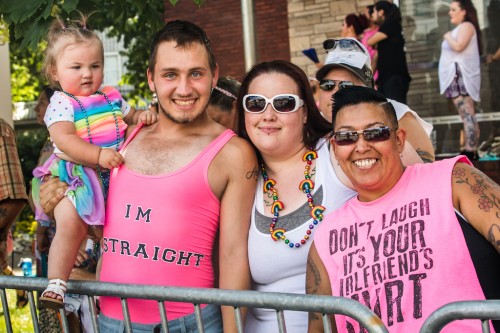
133 20
29 142
25 66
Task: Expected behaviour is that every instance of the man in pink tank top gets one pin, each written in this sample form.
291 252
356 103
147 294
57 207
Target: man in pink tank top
185 181
415 238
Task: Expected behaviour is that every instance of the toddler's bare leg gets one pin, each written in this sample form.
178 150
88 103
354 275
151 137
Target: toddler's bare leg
70 232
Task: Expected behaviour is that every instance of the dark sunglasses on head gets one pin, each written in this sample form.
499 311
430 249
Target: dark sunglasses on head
329 85
344 44
344 138
284 103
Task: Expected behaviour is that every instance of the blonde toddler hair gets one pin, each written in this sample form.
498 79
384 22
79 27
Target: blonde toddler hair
59 36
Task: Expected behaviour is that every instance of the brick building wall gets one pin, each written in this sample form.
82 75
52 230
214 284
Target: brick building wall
222 22
286 27
313 21
283 28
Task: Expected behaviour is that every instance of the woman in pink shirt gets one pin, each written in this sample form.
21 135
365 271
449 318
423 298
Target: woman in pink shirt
402 246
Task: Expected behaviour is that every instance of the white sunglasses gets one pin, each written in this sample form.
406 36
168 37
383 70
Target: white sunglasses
283 103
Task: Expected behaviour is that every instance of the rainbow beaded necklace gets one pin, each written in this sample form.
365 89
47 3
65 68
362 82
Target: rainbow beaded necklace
307 185
104 175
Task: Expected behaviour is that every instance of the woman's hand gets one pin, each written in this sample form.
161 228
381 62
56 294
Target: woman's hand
51 192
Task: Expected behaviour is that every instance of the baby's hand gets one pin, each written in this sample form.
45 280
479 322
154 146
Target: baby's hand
110 158
148 118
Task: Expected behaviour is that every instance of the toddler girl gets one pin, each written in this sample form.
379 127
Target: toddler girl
87 126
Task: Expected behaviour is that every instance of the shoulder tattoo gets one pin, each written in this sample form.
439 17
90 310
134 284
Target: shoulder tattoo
426 156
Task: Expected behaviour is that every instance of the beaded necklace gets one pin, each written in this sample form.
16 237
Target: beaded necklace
103 175
307 185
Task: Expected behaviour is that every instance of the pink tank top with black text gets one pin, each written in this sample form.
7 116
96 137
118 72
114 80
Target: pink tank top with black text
160 230
403 255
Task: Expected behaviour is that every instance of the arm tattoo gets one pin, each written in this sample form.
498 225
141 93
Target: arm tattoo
425 156
484 188
313 280
314 316
254 173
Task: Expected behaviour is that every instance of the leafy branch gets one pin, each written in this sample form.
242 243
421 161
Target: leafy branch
28 20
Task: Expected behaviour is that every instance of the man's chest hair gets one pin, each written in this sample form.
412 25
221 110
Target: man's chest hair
155 158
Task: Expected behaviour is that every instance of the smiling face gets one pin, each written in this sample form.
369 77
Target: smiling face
373 167
182 81
271 132
457 14
325 97
79 68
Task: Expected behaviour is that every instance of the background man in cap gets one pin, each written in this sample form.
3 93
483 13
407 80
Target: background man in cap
348 63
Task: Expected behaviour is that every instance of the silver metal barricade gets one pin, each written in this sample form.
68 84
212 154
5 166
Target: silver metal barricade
482 310
235 298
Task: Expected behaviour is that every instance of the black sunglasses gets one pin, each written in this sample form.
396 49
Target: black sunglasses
345 44
329 85
344 138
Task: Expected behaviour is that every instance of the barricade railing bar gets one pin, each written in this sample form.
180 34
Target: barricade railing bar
482 310
235 298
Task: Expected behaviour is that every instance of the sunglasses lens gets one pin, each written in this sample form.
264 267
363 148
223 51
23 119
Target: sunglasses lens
377 134
344 84
345 138
347 44
284 103
254 103
329 44
327 85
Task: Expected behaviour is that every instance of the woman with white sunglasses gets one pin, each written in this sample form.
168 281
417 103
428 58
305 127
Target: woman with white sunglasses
278 115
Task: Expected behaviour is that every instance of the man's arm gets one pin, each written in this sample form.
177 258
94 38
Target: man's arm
317 283
51 193
417 137
236 204
477 197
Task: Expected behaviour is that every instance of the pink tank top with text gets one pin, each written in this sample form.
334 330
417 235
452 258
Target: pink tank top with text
160 230
403 255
